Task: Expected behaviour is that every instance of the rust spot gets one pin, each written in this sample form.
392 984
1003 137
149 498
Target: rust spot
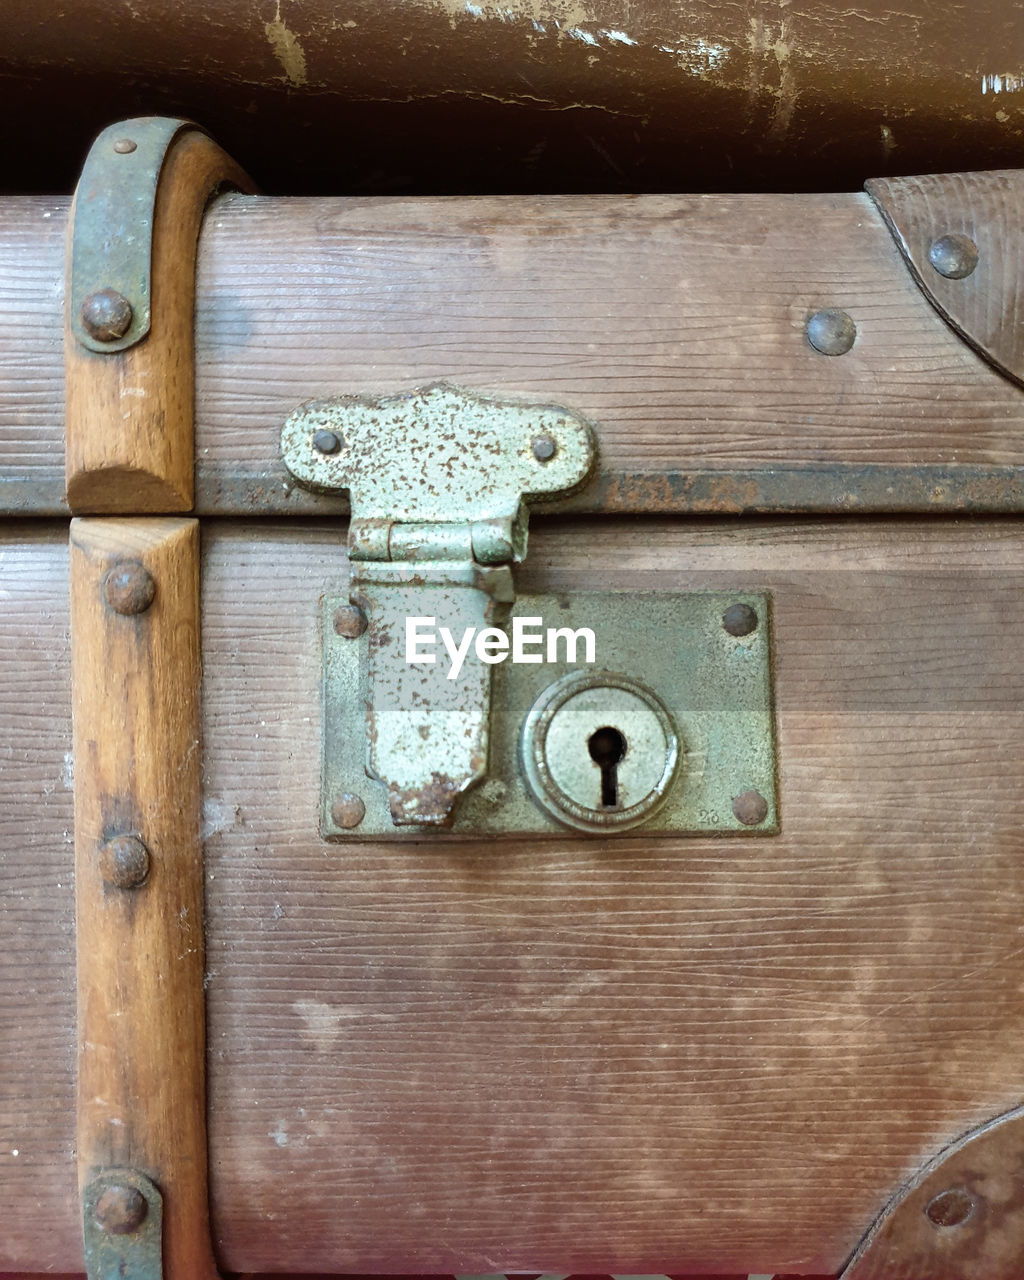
430 805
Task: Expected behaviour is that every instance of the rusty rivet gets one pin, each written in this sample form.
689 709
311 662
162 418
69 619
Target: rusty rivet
950 1208
750 808
544 448
124 862
129 588
326 442
347 811
121 1210
106 315
832 332
125 146
953 256
349 621
739 620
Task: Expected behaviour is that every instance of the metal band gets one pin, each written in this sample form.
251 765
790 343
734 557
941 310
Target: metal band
129 344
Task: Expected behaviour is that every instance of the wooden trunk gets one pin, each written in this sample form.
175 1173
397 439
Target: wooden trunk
630 1054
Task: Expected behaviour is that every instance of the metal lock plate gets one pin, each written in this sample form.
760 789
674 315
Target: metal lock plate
689 700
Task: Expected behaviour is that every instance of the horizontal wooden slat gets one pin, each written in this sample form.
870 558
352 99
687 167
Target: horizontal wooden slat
675 323
638 1056
629 1056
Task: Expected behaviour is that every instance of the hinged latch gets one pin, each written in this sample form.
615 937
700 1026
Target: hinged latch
439 481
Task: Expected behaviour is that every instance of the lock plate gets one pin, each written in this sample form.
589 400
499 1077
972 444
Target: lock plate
714 686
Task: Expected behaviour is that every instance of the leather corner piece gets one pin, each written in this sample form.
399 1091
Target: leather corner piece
960 235
960 1218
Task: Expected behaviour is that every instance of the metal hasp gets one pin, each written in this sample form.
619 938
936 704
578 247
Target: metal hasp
670 730
122 1221
960 1218
439 481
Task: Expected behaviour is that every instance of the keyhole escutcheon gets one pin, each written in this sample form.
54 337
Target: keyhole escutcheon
607 747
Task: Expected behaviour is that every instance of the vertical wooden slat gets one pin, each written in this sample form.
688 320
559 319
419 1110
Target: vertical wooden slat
135 686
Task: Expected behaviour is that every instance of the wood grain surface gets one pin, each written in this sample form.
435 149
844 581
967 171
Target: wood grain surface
40 1227
636 1056
591 1055
129 415
141 1033
675 323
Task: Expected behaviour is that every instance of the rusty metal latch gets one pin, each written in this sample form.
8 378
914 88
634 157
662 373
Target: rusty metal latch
439 481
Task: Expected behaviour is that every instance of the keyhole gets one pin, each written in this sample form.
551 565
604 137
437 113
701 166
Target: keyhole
607 747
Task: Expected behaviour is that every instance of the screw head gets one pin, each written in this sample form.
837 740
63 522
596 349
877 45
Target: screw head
121 1210
348 810
950 1208
326 442
125 146
349 621
124 862
750 808
739 620
832 332
106 315
129 588
953 256
544 448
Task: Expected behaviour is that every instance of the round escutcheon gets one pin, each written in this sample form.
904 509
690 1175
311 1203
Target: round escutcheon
599 751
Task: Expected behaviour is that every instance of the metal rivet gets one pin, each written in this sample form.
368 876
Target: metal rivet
129 588
121 1210
349 621
544 448
347 811
953 256
750 808
106 315
739 620
326 442
950 1208
124 862
125 146
832 332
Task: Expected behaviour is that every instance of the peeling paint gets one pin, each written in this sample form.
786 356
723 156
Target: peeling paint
544 14
697 56
617 37
1012 83
287 49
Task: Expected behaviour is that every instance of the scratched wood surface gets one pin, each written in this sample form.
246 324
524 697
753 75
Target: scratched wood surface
676 323
39 1223
593 1055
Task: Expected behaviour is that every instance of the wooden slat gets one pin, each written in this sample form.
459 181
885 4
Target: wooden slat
450 1060
141 1034
629 1056
40 1227
676 323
